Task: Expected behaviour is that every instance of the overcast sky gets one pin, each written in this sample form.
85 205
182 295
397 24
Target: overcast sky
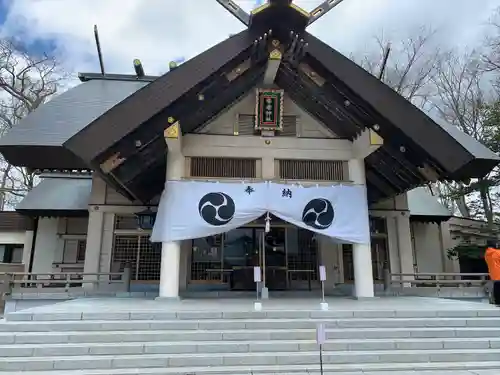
158 31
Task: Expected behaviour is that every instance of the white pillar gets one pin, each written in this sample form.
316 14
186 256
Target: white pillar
28 245
405 245
46 245
171 251
170 269
93 248
362 253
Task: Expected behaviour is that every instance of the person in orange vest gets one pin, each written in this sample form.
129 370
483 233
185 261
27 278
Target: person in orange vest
492 258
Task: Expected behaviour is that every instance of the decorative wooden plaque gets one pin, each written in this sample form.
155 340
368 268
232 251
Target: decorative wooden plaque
269 110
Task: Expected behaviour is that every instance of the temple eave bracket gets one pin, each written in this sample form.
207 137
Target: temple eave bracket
273 64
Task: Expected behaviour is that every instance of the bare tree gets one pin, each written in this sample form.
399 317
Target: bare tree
447 86
491 55
26 82
410 66
462 96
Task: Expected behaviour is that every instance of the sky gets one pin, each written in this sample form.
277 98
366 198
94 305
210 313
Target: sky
158 31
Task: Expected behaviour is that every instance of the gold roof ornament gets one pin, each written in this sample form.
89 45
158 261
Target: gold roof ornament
172 132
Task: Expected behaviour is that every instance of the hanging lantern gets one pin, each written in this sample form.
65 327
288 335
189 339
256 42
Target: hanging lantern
146 219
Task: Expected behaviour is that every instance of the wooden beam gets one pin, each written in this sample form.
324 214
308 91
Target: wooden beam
236 11
322 9
273 64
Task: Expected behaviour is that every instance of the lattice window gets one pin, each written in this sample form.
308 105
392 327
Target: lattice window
313 170
149 260
137 251
125 251
223 167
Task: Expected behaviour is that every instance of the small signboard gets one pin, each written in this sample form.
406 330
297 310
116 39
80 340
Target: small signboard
269 110
322 273
256 275
320 334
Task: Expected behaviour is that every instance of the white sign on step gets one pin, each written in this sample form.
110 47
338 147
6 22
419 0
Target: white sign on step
320 334
256 275
322 273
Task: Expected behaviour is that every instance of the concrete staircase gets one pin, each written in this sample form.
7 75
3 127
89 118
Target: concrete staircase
248 342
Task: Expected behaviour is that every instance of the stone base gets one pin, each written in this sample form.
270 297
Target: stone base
167 299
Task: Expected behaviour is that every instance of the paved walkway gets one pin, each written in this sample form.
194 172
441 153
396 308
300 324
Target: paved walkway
300 304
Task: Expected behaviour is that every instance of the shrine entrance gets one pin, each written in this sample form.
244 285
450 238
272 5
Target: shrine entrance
287 255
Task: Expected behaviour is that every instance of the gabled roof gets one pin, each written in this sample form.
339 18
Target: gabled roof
326 84
128 115
51 125
58 195
425 207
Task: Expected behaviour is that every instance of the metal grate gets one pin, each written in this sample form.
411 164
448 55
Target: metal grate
125 251
143 256
149 260
315 170
223 167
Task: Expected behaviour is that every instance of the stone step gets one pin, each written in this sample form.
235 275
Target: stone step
241 335
245 359
217 324
271 314
136 348
443 368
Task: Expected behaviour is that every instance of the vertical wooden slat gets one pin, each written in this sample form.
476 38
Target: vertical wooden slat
223 167
315 170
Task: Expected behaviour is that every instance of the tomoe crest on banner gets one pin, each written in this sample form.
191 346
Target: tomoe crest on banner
318 213
216 208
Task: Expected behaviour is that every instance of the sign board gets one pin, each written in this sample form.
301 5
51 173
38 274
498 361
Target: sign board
256 275
322 273
269 109
320 334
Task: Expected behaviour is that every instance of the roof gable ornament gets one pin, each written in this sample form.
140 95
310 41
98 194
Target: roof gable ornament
262 6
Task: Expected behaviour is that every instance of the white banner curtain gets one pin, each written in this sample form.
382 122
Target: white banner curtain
339 212
192 209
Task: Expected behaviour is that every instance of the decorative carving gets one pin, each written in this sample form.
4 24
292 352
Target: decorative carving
172 132
112 162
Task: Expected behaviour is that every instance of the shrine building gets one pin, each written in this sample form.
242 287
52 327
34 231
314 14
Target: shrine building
271 104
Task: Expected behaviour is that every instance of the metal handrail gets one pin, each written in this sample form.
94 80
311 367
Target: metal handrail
436 278
32 280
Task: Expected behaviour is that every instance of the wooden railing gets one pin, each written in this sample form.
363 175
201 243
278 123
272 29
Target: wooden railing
436 280
19 282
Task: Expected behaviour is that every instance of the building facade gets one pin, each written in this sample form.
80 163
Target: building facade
272 103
